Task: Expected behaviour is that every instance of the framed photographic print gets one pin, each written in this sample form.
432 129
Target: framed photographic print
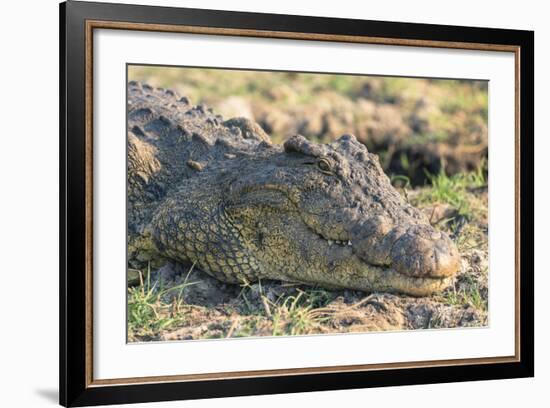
256 203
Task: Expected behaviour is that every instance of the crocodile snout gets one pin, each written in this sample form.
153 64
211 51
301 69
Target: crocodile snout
423 251
416 250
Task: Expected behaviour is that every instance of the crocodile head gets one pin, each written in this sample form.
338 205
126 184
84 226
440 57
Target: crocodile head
328 215
220 195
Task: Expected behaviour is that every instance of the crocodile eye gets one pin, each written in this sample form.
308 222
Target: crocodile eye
324 165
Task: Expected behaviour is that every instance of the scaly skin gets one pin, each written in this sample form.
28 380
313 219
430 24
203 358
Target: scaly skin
220 195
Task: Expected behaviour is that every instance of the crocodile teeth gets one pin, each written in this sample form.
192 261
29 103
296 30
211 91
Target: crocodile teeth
338 242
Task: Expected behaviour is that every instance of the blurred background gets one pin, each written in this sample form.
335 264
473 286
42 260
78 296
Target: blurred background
418 127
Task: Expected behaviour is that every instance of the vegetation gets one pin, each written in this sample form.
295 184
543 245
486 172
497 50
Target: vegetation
454 190
148 311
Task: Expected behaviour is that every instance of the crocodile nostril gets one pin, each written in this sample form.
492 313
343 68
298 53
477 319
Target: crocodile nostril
424 252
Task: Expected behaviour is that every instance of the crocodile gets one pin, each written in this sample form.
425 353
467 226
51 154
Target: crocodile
220 195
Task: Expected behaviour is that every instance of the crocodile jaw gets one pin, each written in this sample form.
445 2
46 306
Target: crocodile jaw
371 278
344 269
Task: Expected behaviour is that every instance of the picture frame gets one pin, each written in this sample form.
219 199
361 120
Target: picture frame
78 23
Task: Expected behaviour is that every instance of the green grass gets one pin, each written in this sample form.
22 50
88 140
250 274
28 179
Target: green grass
454 190
467 100
342 84
296 315
469 294
148 310
289 314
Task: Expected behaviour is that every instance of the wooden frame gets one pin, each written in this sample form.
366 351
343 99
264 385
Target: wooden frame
77 22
